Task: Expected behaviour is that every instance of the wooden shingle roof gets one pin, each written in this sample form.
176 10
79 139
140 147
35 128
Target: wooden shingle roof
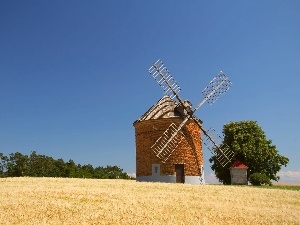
164 108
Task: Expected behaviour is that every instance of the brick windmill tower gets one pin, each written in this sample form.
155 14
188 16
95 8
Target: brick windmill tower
168 135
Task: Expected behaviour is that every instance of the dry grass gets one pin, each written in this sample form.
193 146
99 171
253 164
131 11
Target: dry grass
84 201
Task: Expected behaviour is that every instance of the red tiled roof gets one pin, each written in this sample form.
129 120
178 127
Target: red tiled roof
238 164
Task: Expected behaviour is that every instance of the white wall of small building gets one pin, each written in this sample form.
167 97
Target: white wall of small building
238 175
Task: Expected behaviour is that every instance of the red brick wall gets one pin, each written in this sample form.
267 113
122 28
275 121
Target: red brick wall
188 152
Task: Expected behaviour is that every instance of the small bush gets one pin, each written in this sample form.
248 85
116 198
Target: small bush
258 179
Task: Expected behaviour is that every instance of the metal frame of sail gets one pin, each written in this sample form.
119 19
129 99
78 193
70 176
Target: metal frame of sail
167 143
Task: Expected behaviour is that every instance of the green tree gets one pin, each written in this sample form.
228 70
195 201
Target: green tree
40 165
87 171
60 168
17 164
99 173
250 145
115 172
3 164
258 179
71 169
36 165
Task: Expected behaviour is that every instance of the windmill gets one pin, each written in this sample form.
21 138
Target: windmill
167 144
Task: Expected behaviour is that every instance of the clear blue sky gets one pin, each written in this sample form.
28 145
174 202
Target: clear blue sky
74 74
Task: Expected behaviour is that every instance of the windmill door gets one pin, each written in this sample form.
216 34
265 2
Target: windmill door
179 169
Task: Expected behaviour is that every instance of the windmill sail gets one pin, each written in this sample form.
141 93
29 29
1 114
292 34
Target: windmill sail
214 143
171 138
166 145
165 80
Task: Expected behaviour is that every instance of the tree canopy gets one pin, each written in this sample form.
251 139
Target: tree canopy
250 145
35 165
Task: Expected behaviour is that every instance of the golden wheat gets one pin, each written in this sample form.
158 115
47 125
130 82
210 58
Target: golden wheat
87 201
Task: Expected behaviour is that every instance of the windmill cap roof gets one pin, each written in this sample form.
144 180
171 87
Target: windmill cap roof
165 108
238 164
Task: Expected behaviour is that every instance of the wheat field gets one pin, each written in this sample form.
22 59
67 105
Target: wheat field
86 201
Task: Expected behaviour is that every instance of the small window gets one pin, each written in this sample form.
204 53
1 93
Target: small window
155 169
